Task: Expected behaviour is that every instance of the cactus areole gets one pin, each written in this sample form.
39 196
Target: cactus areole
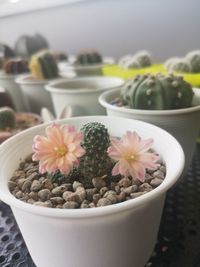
157 92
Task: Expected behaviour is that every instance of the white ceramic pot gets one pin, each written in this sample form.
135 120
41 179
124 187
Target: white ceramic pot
66 69
34 93
119 235
183 124
81 94
14 91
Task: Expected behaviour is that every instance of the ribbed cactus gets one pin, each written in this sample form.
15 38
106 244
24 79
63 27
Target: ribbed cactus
88 57
43 65
157 92
7 118
96 141
194 58
15 66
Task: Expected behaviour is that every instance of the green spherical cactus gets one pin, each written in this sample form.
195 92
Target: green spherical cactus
143 58
7 118
157 92
96 161
43 65
88 57
179 65
194 59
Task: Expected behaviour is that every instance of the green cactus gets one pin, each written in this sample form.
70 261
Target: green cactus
96 161
43 65
178 65
89 57
143 58
194 59
7 118
157 92
60 178
15 66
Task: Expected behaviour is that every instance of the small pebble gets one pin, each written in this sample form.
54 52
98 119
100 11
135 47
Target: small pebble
34 196
104 202
59 190
70 205
103 190
26 186
98 182
156 182
158 174
124 182
76 185
145 187
36 185
44 194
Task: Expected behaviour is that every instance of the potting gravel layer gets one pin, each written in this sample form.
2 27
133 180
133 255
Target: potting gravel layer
28 185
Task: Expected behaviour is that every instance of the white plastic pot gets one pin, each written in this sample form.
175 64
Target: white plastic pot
67 68
183 124
34 93
81 94
14 91
118 235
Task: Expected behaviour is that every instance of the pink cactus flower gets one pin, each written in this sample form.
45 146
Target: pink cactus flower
132 155
59 149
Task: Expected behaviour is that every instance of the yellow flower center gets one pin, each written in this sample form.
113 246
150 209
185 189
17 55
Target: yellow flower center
60 151
130 157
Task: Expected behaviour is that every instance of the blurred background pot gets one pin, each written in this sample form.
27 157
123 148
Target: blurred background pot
14 91
122 234
81 94
34 92
183 123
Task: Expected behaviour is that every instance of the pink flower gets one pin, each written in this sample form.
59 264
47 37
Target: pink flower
132 155
59 149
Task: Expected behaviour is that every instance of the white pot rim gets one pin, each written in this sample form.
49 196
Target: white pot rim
54 85
27 79
6 76
103 100
136 203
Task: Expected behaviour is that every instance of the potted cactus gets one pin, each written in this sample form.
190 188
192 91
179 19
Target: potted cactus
43 67
12 122
87 62
13 68
164 100
80 189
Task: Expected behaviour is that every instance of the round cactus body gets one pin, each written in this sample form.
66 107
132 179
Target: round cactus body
7 118
178 65
88 57
43 65
143 58
194 59
157 92
96 141
15 66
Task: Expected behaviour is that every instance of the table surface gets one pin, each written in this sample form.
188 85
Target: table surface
178 239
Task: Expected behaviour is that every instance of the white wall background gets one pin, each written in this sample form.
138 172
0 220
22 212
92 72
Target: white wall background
114 27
